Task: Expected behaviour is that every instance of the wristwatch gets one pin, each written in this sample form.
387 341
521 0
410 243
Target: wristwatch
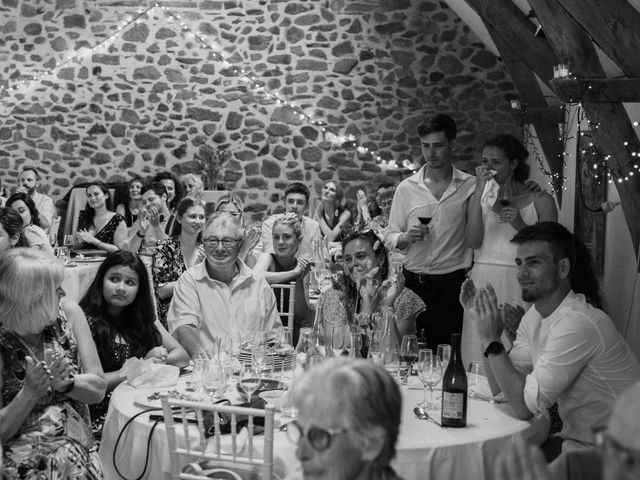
494 348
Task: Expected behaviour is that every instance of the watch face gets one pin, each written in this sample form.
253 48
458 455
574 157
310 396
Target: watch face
493 349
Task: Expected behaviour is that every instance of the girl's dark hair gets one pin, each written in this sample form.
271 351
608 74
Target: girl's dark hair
136 322
28 201
514 151
564 244
87 215
176 185
184 205
11 221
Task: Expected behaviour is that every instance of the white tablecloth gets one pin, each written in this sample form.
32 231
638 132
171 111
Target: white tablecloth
78 278
424 451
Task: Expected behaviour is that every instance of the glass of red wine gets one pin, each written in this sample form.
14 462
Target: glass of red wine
424 220
506 195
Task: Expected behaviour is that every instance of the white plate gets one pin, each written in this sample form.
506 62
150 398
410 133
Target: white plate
88 260
143 400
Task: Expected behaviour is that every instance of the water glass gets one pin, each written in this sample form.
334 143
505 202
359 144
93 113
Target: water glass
62 254
213 378
444 354
68 241
476 377
196 374
249 381
392 362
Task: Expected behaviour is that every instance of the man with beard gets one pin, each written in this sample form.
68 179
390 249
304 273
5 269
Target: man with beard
29 181
567 350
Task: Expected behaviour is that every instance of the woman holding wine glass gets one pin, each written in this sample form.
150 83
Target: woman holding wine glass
501 205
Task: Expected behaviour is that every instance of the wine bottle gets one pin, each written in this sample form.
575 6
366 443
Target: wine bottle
454 388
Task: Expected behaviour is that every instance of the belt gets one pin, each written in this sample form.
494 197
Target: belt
430 277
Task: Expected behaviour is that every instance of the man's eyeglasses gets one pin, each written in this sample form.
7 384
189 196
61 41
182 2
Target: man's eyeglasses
319 438
214 242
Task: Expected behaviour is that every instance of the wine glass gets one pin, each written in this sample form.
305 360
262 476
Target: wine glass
196 374
68 241
283 349
391 361
213 378
338 340
444 354
261 360
249 381
409 351
429 373
505 196
352 342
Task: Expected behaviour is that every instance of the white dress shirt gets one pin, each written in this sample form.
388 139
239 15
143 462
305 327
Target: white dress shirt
446 251
46 208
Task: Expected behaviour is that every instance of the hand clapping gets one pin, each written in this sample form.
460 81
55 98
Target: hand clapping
157 355
37 378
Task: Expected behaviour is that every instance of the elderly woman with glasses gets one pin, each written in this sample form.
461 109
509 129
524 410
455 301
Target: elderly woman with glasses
348 424
49 372
366 287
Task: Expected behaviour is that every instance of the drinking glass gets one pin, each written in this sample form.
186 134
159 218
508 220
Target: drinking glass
68 241
62 253
249 381
409 352
338 340
261 360
196 374
283 349
213 378
392 362
429 373
352 342
444 353
505 196
476 377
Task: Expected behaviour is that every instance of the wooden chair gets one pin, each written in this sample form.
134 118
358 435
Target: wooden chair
280 297
208 452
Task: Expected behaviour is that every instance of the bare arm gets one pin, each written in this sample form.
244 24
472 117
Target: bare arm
475 224
177 355
546 208
333 233
265 262
189 338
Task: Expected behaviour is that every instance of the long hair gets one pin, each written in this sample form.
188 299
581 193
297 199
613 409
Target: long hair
176 185
11 222
136 322
184 205
89 212
564 244
514 150
28 201
28 290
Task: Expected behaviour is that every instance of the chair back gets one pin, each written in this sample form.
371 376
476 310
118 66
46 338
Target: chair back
280 289
204 443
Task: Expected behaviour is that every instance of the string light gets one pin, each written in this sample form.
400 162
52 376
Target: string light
247 76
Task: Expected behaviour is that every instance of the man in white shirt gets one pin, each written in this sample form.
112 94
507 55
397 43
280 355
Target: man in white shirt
296 200
436 253
220 297
29 181
567 350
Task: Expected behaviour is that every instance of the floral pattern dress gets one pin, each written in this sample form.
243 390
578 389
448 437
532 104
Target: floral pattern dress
106 233
55 441
167 265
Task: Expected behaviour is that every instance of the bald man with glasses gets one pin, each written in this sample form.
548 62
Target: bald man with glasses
220 297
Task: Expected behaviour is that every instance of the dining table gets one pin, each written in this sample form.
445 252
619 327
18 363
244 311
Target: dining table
78 275
424 451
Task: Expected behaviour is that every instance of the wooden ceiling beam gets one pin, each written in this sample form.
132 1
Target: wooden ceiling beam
597 90
571 43
614 25
519 32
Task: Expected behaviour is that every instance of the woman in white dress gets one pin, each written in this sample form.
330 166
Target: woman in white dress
499 208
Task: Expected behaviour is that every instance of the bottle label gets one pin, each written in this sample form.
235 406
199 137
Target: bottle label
452 405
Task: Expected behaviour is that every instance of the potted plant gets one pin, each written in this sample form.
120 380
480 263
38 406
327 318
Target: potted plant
212 159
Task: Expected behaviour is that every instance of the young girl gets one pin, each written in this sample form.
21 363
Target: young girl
117 306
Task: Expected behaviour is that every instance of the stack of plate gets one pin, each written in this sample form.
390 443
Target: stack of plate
278 360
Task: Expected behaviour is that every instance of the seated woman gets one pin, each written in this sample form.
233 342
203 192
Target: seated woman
283 266
151 225
118 308
176 254
375 216
11 230
232 204
192 185
365 289
98 226
37 237
332 213
129 209
174 195
49 372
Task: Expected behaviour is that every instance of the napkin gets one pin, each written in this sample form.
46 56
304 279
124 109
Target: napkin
489 195
146 373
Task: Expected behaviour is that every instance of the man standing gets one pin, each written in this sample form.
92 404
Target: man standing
296 200
427 223
566 350
29 181
220 297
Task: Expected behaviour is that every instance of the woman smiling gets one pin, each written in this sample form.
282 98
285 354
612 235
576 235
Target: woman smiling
99 226
37 237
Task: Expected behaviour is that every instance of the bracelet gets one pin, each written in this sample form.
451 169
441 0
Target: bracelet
138 234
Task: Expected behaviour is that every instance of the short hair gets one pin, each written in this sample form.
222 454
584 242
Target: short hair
32 169
197 178
177 185
28 201
366 393
439 123
297 187
232 198
564 244
157 187
514 150
12 223
29 300
184 205
225 219
290 220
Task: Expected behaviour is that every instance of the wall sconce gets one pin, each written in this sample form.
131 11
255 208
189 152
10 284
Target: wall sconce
561 71
516 104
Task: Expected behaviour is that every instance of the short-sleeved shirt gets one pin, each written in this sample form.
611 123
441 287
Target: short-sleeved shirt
577 358
239 309
447 251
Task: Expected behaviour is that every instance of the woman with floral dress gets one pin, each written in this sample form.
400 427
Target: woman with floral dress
44 345
178 253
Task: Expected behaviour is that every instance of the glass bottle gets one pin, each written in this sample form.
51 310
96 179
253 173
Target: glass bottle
454 388
390 340
307 352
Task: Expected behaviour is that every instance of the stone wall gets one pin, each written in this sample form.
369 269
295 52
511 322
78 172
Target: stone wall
143 97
